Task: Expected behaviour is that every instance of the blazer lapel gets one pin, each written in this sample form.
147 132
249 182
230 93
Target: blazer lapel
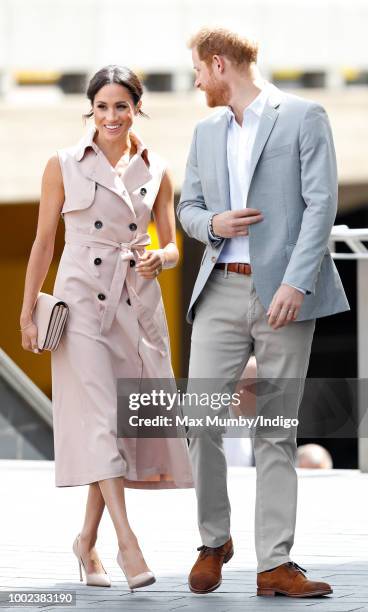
220 149
266 124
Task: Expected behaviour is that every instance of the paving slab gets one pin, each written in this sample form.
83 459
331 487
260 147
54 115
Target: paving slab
39 522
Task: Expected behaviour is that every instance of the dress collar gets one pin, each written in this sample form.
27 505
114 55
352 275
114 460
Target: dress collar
87 141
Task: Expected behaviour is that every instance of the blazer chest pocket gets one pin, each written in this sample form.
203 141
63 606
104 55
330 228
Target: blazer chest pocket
276 152
79 195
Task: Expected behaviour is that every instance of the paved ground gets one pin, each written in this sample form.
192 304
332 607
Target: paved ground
38 524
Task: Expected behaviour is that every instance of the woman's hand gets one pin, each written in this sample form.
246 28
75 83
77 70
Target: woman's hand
29 338
150 263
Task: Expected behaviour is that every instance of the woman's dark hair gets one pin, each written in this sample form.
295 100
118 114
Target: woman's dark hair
121 75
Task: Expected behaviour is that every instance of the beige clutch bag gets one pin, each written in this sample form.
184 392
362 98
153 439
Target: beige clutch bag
50 315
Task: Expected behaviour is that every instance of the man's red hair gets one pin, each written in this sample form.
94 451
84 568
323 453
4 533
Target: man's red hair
220 41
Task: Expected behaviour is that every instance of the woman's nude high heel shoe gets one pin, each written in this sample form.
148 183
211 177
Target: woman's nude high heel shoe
94 579
138 581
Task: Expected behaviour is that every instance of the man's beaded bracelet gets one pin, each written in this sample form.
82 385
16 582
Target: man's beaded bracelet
216 236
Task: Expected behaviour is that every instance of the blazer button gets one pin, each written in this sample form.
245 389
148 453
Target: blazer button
143 191
132 263
133 227
213 259
97 261
101 296
98 224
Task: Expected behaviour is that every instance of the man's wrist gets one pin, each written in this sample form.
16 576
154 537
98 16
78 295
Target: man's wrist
298 288
211 230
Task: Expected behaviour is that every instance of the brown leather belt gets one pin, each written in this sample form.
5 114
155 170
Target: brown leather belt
240 268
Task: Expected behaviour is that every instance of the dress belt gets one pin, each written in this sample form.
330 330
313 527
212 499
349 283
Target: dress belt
240 268
127 252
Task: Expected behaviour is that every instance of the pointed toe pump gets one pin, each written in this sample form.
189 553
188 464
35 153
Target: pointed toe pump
138 581
94 579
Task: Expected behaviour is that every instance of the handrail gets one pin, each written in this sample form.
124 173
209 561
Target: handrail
353 238
25 387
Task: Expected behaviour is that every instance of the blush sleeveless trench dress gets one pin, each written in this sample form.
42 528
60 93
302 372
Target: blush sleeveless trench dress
116 326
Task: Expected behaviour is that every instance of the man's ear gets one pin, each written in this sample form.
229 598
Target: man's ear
218 63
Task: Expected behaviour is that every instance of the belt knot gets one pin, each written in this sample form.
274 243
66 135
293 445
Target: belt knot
138 243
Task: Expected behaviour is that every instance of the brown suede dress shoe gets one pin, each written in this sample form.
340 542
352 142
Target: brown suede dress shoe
288 579
206 572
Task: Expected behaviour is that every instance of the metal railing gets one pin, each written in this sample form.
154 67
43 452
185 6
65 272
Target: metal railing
25 387
354 239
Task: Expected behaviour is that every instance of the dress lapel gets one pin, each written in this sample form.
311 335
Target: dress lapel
96 167
137 173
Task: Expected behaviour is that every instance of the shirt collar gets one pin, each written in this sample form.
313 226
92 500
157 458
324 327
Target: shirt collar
256 106
88 142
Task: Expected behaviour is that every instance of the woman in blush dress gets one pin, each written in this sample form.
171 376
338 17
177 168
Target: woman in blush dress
106 188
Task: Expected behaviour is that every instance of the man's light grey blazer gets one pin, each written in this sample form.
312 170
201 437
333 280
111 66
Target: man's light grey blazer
294 185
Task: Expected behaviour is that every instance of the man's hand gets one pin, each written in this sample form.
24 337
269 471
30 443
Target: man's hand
235 222
285 306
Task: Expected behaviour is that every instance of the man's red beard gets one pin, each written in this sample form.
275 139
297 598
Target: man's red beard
217 94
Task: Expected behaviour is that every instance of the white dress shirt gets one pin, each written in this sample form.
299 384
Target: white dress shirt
240 142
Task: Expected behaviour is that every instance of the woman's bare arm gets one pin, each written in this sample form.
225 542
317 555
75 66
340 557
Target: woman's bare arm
51 203
164 216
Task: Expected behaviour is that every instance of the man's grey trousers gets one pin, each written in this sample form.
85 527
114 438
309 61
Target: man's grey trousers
230 324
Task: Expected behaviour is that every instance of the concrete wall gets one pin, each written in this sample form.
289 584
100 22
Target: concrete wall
150 35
